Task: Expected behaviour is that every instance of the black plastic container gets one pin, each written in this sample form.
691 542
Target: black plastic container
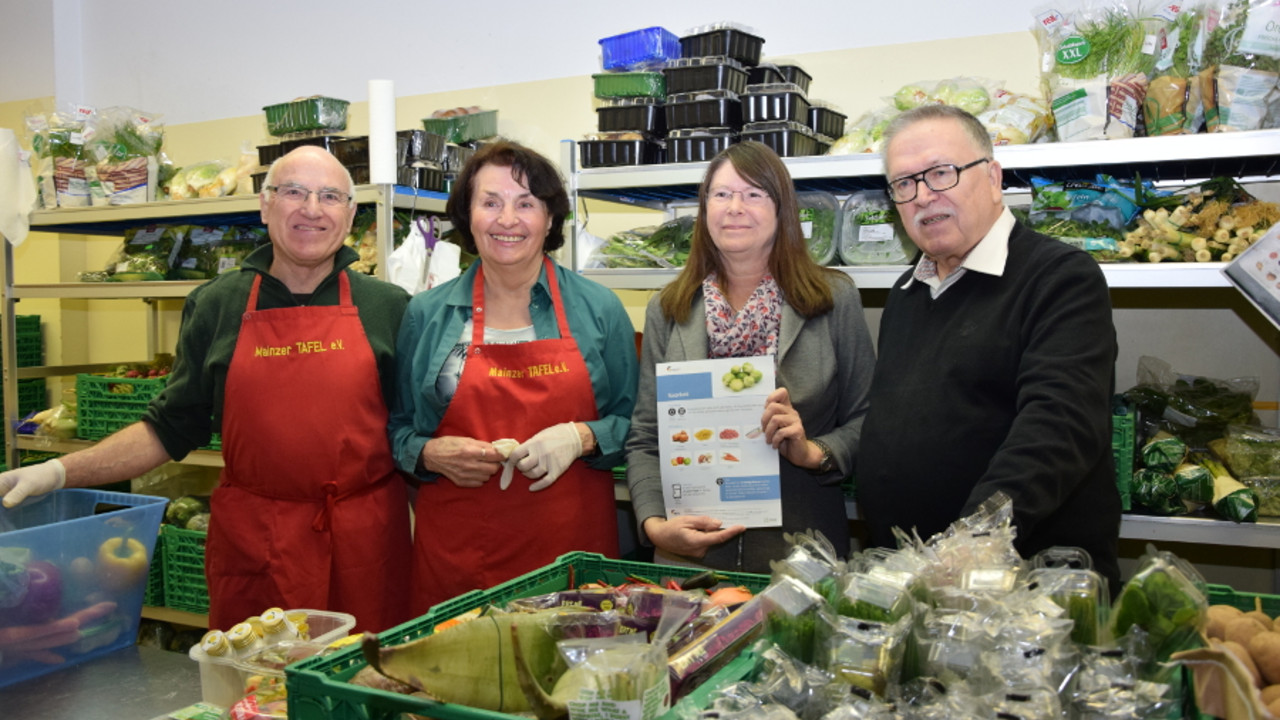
722 40
713 108
704 73
455 156
419 146
258 179
639 114
764 74
613 153
352 150
826 121
328 142
359 173
423 176
788 139
781 101
698 144
796 74
269 153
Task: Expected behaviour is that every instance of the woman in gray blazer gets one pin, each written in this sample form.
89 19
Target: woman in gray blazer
750 288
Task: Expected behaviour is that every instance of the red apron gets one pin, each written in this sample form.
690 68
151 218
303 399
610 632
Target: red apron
310 511
474 538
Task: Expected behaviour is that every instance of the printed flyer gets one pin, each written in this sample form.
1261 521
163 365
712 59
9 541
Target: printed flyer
715 460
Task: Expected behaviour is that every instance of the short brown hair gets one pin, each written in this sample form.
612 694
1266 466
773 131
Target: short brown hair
802 281
527 167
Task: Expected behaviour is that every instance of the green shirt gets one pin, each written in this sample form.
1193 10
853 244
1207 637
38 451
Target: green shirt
190 408
599 324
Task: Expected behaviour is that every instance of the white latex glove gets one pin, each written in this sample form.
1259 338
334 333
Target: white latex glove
18 485
504 448
548 454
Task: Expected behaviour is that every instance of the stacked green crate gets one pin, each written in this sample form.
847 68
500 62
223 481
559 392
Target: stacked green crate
32 396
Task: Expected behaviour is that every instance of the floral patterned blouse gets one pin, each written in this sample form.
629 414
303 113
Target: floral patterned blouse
751 331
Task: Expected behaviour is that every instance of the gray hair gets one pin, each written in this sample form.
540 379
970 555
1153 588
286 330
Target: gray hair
973 127
271 173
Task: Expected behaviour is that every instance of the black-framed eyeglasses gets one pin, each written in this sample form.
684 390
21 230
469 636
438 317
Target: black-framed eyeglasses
937 178
298 194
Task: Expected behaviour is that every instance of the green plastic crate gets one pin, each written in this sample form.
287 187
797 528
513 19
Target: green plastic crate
462 128
154 596
100 410
1224 595
317 687
1122 439
185 587
306 115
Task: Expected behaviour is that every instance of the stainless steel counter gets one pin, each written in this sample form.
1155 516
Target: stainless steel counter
133 683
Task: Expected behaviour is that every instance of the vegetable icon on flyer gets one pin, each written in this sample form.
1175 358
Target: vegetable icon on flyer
713 454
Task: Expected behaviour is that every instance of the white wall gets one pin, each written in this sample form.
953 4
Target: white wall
194 62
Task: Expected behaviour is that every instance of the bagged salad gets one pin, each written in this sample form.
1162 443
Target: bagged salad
1095 65
212 250
1241 59
1172 105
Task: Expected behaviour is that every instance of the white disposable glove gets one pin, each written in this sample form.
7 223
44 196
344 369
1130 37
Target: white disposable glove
18 485
504 448
548 454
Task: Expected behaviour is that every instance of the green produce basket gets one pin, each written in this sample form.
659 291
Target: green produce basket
306 115
1224 595
154 596
317 687
185 587
630 84
461 128
106 404
1122 431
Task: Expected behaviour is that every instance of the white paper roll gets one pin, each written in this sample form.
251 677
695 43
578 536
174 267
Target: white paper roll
382 132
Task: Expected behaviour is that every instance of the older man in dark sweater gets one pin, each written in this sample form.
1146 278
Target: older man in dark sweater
996 360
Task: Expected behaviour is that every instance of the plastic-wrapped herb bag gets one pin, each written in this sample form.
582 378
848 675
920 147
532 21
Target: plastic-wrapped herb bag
1163 453
792 612
1195 485
1108 686
864 654
1157 492
1167 599
1231 498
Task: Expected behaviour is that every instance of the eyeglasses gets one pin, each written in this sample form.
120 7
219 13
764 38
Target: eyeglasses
298 194
754 197
937 178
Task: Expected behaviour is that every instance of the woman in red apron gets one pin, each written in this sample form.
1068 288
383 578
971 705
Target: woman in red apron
565 398
293 484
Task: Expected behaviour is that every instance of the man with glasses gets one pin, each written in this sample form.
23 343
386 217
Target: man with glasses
995 361
288 358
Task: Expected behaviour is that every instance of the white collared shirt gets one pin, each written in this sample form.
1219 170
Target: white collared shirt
987 257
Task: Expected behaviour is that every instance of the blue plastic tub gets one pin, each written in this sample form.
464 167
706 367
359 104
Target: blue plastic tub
73 572
639 49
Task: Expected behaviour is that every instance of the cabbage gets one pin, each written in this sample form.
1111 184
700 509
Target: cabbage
910 96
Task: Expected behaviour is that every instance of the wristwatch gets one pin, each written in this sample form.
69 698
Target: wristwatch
828 462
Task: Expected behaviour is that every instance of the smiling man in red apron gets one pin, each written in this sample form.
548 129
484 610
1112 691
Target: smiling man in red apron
516 348
288 359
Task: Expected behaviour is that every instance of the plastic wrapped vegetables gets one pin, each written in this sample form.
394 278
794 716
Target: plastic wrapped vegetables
1167 599
1095 69
1172 105
1240 63
661 246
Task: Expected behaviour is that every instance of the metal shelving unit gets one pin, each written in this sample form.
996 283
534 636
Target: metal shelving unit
115 220
1169 161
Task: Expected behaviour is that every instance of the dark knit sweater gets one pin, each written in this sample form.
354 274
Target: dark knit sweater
1001 383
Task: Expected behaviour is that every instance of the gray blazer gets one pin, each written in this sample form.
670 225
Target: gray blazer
825 363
